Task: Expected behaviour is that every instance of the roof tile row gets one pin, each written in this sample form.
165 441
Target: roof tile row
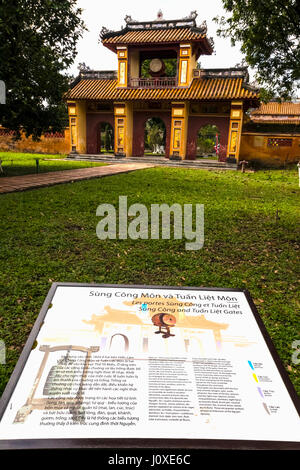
281 109
154 36
200 89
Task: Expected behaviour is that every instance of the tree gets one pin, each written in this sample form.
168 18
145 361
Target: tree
37 44
108 137
154 133
206 139
269 32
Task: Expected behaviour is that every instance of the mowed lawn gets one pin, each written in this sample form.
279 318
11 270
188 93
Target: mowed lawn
251 242
14 163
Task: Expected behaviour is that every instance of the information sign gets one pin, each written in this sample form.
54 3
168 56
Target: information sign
146 366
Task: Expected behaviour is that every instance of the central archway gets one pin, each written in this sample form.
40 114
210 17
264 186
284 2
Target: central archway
105 138
208 139
139 125
155 137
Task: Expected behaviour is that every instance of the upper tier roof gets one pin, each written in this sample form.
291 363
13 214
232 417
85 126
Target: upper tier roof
159 32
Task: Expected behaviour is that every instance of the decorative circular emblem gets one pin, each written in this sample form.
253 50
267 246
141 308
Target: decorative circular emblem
156 65
168 320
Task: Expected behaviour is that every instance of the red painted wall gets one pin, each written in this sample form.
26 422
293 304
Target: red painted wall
196 122
93 122
139 121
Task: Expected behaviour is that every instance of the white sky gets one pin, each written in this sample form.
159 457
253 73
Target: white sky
111 14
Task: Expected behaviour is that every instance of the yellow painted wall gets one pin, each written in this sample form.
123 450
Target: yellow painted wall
81 126
185 128
179 129
235 129
134 64
129 128
122 67
51 145
255 148
186 56
193 65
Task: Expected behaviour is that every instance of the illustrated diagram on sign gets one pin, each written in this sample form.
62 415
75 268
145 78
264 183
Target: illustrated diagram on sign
164 321
57 386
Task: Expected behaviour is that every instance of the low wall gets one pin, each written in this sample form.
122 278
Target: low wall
270 150
50 142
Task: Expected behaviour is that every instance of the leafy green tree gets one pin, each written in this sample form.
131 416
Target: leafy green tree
269 33
206 139
155 133
108 137
154 137
37 44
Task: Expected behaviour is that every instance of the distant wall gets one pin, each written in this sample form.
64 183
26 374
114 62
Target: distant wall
270 150
50 142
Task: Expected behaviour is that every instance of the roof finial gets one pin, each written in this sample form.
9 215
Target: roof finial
160 15
128 19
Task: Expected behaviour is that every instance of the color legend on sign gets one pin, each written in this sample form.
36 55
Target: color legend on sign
255 377
253 368
260 392
258 388
266 408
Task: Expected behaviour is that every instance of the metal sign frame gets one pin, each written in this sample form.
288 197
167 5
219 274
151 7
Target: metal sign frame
126 443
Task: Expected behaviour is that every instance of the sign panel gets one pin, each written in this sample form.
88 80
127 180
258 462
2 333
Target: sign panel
120 365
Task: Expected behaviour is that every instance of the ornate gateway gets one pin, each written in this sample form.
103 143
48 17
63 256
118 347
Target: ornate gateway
159 81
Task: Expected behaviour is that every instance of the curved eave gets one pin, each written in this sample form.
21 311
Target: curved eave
157 36
200 89
275 121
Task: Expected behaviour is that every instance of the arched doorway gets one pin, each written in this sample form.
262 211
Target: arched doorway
155 137
94 122
208 141
105 138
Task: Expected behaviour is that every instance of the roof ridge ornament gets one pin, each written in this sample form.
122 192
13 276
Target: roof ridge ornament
129 20
159 23
211 42
82 67
103 32
192 16
202 27
160 15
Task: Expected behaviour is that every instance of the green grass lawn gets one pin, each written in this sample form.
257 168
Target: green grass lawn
251 222
14 163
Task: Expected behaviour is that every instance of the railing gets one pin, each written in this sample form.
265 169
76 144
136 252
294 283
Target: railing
161 82
221 73
99 74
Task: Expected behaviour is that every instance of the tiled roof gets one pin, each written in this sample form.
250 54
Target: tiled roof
282 109
155 36
200 89
280 113
159 31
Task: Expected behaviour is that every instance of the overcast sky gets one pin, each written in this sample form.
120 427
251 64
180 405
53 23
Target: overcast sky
111 14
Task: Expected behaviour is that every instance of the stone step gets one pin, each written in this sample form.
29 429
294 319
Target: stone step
205 164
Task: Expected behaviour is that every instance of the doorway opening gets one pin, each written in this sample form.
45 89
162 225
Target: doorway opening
155 137
208 142
106 138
